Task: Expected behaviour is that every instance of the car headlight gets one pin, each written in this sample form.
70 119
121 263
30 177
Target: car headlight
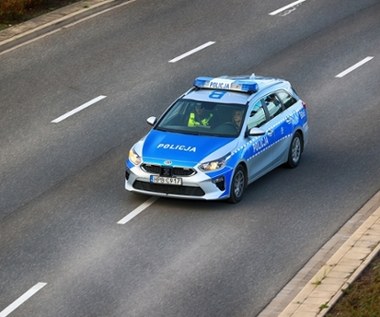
134 157
215 164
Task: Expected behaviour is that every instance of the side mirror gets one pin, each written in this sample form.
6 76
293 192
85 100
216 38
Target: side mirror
255 132
151 121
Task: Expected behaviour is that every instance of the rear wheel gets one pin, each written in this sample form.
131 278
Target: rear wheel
238 185
295 151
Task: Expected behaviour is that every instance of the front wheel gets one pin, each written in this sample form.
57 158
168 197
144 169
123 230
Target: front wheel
295 151
238 185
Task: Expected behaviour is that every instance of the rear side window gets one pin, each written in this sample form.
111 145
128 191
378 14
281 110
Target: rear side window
287 99
273 105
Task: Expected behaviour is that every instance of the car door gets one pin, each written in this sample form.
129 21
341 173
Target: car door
260 153
292 118
276 129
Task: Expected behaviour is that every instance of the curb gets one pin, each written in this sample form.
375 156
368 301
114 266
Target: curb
47 20
319 293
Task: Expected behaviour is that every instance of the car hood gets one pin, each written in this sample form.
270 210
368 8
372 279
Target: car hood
167 148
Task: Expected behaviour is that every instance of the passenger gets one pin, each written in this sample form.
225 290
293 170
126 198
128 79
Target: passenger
237 119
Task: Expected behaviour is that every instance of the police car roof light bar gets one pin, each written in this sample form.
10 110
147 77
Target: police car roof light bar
226 84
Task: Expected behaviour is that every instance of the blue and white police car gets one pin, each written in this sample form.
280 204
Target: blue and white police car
218 137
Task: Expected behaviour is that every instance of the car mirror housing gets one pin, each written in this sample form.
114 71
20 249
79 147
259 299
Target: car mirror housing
151 120
255 132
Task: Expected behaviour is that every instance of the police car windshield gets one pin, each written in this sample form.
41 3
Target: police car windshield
203 118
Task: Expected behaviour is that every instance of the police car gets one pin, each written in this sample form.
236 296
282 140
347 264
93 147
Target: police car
218 137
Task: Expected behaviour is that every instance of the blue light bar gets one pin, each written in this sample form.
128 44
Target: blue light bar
226 84
202 82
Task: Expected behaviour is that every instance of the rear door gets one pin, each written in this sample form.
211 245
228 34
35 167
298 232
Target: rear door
292 106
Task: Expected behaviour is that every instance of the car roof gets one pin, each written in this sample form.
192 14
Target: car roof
228 97
205 87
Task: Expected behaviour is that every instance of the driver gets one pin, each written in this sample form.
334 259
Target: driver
199 117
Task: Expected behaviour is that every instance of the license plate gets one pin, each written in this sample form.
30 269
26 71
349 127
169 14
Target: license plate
165 180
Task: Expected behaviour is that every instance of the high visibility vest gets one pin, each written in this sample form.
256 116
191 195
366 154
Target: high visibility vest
193 123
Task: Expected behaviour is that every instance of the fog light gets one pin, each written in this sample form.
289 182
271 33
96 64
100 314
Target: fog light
219 182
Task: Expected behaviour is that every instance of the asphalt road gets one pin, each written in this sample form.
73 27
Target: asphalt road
62 184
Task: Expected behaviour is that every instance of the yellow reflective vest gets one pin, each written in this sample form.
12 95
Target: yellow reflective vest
193 123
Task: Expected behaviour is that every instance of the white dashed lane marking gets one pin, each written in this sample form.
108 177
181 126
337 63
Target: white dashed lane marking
287 7
197 49
353 67
22 299
80 108
136 211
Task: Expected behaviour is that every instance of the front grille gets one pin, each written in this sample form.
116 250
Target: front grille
168 170
169 189
154 169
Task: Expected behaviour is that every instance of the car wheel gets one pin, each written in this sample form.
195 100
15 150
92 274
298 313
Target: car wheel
238 185
295 151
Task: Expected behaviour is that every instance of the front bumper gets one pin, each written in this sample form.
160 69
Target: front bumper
201 186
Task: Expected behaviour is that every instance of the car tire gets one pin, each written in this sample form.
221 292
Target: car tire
238 185
295 151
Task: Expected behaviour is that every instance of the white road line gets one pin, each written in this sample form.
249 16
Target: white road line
291 5
197 49
353 67
136 211
80 108
23 298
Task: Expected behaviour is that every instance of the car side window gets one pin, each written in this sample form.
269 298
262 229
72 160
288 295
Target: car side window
287 99
273 105
257 116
